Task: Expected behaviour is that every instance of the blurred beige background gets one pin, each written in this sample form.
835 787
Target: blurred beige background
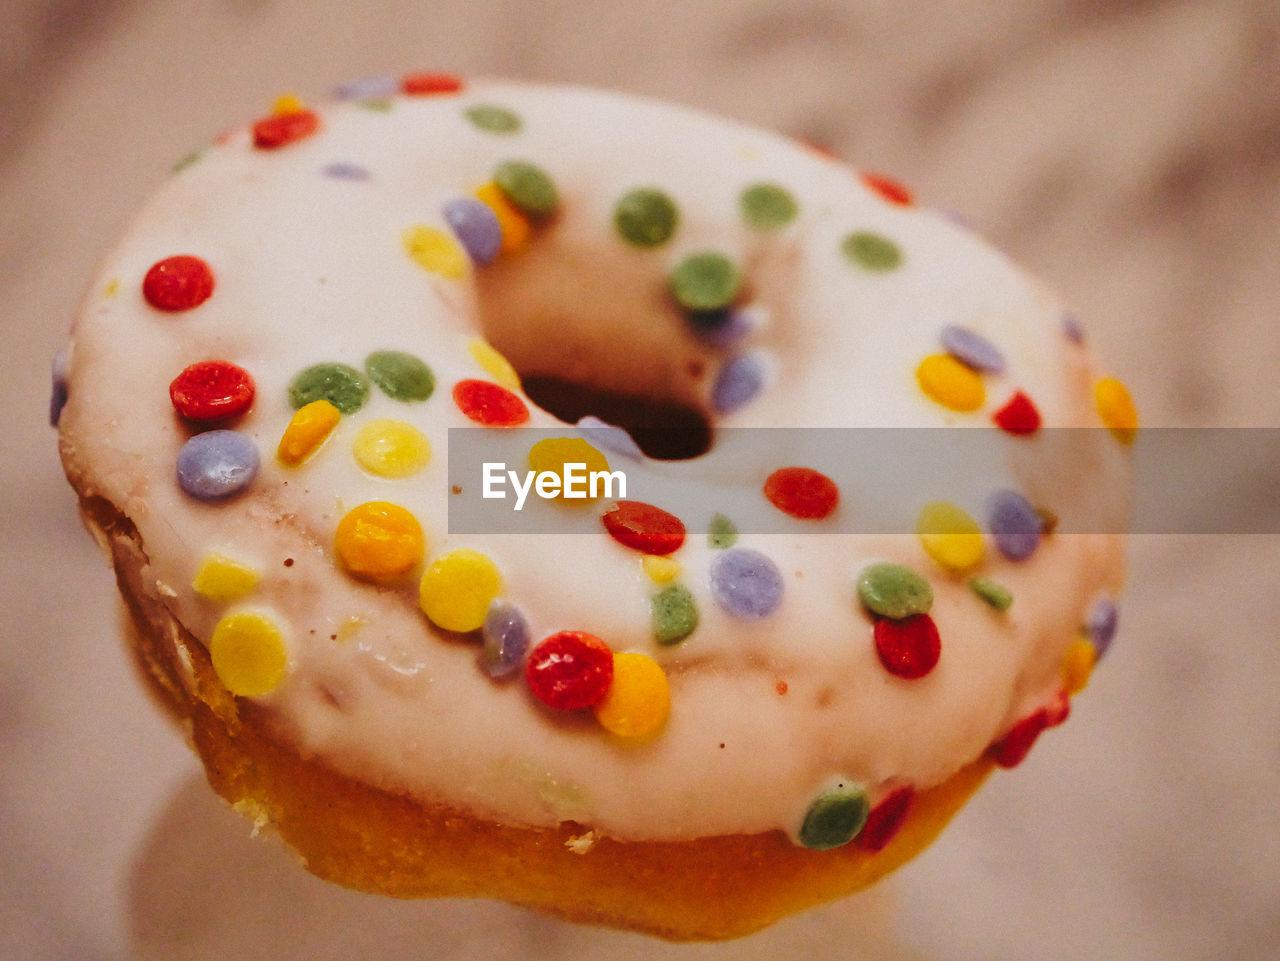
1129 152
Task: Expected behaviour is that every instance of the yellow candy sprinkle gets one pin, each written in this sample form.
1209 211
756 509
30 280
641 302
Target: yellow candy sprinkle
661 569
1116 409
1077 665
458 588
494 364
112 288
554 453
310 427
515 225
949 535
435 250
391 448
951 383
639 698
249 653
220 578
379 540
287 103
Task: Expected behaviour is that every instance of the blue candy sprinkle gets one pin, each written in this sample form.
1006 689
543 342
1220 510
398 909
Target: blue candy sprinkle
972 349
1101 624
738 383
746 583
727 327
1015 525
506 639
344 170
609 436
476 226
217 464
58 396
367 88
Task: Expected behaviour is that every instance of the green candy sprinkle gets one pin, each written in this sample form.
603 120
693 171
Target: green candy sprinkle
675 614
705 282
646 217
342 386
493 119
835 817
871 251
401 376
376 104
997 595
528 188
722 533
894 591
767 206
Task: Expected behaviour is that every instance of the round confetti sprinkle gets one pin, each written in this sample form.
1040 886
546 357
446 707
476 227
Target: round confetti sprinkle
908 648
345 170
746 583
1078 664
725 328
972 349
342 386
1012 749
220 578
643 527
767 206
379 540
515 226
308 429
58 394
894 591
609 436
835 817
888 188
493 119
721 533
705 281
505 633
211 391
528 188
401 376
646 217
553 455
1072 329
364 88
738 383
1101 624
661 569
570 670
871 252
886 819
1116 409
1018 416
488 404
217 464
429 83
391 448
949 382
435 251
992 593
458 588
494 364
638 700
249 653
281 129
802 492
949 535
1015 525
177 283
476 226
674 614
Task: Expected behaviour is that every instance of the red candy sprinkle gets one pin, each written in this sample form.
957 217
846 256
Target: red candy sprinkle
802 492
644 527
570 670
1012 749
487 403
908 648
212 390
1019 416
285 128
178 283
419 84
888 188
886 818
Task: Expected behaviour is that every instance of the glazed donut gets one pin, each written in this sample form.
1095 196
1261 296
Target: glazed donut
752 682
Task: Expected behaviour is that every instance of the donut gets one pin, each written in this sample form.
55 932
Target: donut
755 667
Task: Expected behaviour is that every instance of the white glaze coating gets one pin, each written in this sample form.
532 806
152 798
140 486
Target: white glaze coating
310 268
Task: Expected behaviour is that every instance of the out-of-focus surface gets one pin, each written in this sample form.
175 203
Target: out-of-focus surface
1129 153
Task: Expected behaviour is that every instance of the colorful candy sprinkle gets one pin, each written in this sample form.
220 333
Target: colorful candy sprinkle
674 614
646 217
1101 624
609 436
991 593
345 170
342 386
738 382
570 671
505 633
893 591
972 349
661 569
364 88
212 391
1078 664
1072 328
281 129
949 535
908 648
400 376
515 226
725 328
528 188
488 404
493 119
1012 749
705 281
888 188
58 394
494 364
1018 416
435 251
217 464
249 653
802 492
1014 524
721 532
767 206
379 540
746 583
835 817
638 700
391 448
643 527
1116 409
949 382
871 251
553 454
220 578
886 819
458 588
177 283
308 429
428 83
476 227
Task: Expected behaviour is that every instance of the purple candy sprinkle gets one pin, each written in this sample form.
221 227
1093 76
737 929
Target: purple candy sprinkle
730 326
1014 524
217 464
612 438
344 170
746 583
506 639
367 88
1101 624
972 349
58 397
477 227
739 381
1071 328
